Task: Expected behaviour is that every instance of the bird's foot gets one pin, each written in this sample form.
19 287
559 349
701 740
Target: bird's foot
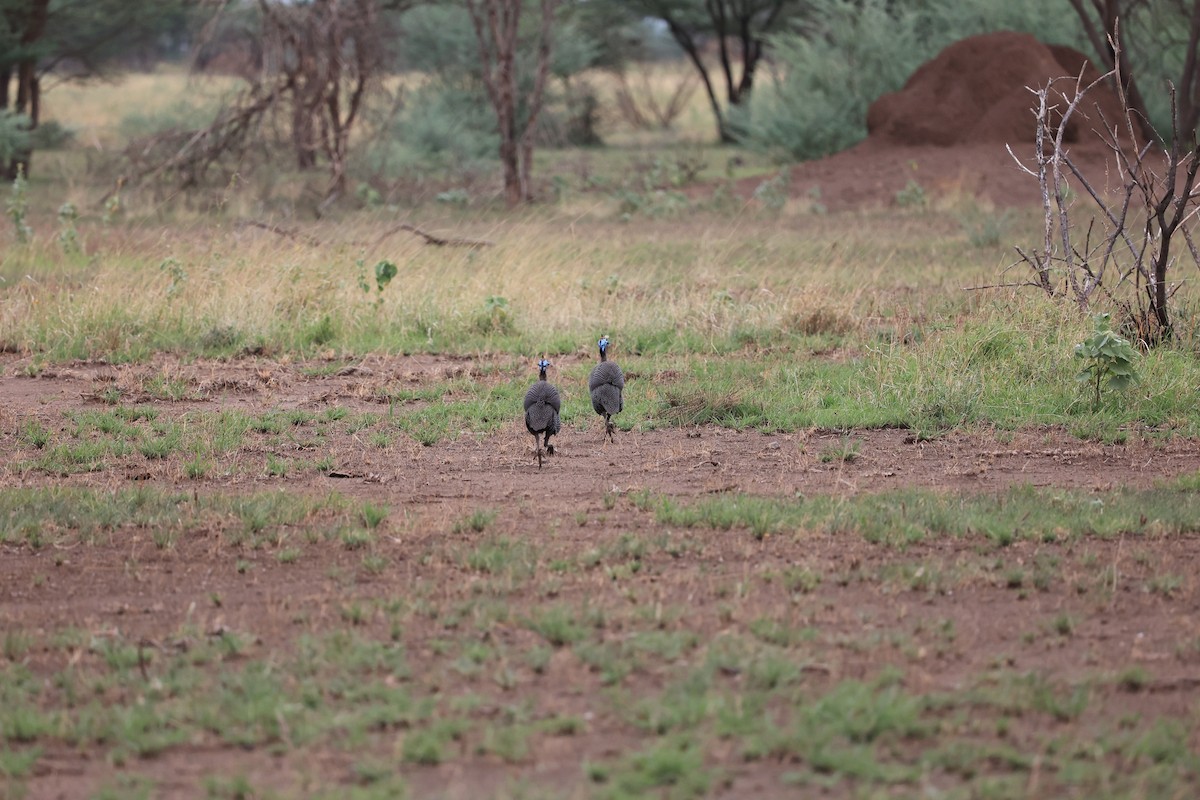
539 457
608 429
549 449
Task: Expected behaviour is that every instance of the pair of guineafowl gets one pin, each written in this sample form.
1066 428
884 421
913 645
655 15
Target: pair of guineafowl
542 401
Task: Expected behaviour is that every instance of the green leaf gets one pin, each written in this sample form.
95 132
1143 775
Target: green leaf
384 272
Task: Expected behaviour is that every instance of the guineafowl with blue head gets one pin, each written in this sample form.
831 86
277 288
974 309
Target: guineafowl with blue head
606 384
542 405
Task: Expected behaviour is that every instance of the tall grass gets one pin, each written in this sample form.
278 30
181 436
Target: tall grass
548 283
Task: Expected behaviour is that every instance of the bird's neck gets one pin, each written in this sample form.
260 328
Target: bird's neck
603 356
542 374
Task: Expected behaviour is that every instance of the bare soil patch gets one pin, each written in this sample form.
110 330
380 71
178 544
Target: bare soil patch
943 612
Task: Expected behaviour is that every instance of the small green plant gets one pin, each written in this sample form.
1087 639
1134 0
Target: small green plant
113 208
844 453
18 206
454 197
912 195
773 193
1109 357
68 236
174 269
495 316
34 433
476 521
372 514
385 271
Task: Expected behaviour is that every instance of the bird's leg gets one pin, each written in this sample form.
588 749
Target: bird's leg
537 447
549 447
609 427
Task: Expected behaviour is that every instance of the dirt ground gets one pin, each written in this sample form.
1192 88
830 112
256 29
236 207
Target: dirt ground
147 593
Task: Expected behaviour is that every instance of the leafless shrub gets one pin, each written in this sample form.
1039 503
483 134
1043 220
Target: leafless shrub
642 109
1124 255
318 61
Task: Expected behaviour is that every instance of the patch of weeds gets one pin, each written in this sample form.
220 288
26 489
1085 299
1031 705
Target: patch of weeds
374 564
1063 625
776 633
237 787
476 521
844 453
677 766
354 613
127 787
1166 585
607 660
197 467
277 467
503 556
642 499
160 447
289 555
164 387
372 515
357 538
34 434
428 746
495 318
321 332
16 644
558 625
912 195
510 743
701 407
1134 679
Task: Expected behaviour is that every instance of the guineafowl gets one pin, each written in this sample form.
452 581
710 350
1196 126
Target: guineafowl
541 411
605 384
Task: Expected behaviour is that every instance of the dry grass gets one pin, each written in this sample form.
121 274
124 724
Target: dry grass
706 277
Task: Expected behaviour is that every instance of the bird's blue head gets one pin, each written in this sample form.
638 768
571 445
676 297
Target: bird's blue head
603 343
543 364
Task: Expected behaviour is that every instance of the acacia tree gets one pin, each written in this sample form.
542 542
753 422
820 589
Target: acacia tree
40 36
737 29
1147 27
497 25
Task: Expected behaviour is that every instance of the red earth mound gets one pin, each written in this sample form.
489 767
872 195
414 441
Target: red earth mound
978 90
947 128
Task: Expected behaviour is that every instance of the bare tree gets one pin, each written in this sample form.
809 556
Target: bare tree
737 28
631 100
323 54
1127 260
497 25
1170 25
319 61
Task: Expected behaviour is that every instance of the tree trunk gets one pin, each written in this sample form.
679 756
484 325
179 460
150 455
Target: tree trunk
28 101
1188 116
688 45
1110 13
496 27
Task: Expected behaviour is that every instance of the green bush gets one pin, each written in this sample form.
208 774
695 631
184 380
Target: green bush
14 135
845 54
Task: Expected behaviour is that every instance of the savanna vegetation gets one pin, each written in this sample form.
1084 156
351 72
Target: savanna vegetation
269 522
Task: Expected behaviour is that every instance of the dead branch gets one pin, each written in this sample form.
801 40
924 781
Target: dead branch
1136 223
285 232
312 241
430 238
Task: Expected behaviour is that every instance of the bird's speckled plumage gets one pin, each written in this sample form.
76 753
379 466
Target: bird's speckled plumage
542 405
606 384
